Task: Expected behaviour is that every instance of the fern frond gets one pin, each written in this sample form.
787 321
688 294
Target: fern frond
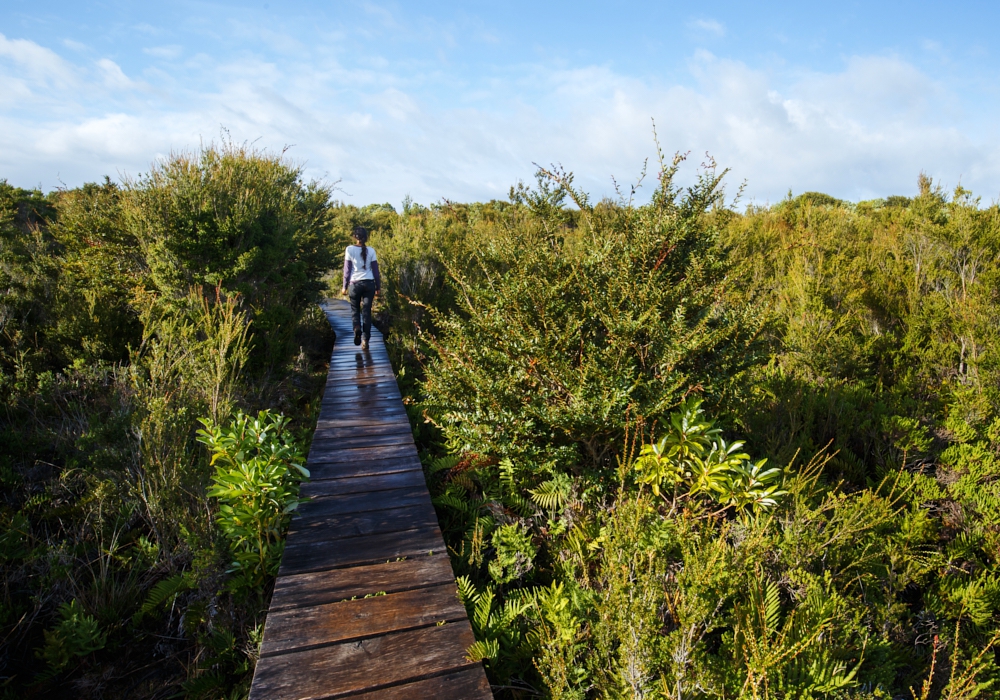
443 463
166 590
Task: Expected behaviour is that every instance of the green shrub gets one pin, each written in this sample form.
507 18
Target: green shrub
693 460
77 634
239 219
258 469
568 324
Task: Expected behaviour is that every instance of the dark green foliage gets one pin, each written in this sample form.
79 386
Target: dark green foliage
562 334
558 361
126 314
256 481
872 335
237 219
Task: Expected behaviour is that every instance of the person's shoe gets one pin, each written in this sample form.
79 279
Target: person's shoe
357 336
364 344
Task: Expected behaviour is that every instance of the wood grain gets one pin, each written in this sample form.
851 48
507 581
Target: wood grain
356 440
332 585
365 603
362 467
344 669
469 683
355 618
324 453
373 522
363 484
364 549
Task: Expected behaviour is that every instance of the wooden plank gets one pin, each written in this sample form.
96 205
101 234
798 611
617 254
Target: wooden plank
372 409
315 588
359 358
336 527
366 549
362 439
354 454
359 503
360 365
363 484
368 529
362 467
359 403
345 401
302 628
382 399
351 667
353 384
355 378
469 684
333 432
333 417
374 406
353 371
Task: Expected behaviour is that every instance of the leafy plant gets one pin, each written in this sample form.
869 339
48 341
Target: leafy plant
693 459
258 469
501 637
77 634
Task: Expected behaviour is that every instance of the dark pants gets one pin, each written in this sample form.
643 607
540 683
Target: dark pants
361 295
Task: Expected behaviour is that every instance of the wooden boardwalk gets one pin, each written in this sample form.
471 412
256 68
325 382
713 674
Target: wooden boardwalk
365 604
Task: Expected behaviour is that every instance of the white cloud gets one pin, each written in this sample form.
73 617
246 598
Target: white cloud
709 26
865 130
114 76
169 52
41 64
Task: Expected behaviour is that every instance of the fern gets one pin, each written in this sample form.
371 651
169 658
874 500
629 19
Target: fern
443 464
166 590
553 494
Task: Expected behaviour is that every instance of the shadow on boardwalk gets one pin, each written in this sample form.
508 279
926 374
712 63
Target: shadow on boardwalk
365 603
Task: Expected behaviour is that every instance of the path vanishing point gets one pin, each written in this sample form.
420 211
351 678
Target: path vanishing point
365 604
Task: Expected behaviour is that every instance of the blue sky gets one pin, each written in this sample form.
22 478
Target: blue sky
458 100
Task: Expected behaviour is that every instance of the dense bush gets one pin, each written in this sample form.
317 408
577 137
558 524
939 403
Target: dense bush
562 333
128 313
587 383
852 346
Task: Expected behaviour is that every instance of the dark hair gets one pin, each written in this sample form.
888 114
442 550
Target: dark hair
361 235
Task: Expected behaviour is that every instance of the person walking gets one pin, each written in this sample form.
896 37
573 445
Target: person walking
362 283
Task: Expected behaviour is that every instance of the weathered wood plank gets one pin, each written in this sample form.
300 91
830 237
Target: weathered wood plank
321 625
359 503
468 684
394 433
331 418
362 467
350 667
348 389
366 549
318 587
384 411
363 484
354 454
337 527
360 439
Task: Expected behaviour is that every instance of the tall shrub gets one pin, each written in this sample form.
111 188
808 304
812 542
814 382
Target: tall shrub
239 219
568 324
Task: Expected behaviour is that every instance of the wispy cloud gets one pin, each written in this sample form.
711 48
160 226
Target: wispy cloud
40 64
709 26
168 52
864 130
114 76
